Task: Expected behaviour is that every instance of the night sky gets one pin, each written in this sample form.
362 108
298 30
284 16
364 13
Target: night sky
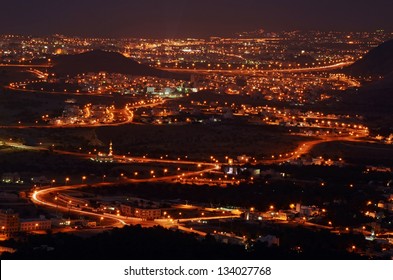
192 18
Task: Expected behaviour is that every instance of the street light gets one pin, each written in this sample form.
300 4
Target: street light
69 208
57 203
67 180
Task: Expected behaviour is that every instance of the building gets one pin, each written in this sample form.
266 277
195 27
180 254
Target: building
147 213
103 157
231 170
267 216
140 212
285 215
281 215
11 178
168 91
9 222
6 249
150 90
126 210
41 180
35 224
307 211
244 159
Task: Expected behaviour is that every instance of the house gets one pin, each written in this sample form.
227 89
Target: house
11 178
35 224
144 213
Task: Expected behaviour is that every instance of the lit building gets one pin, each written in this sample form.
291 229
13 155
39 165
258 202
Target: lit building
139 212
103 157
11 178
150 90
244 159
9 222
35 224
307 210
147 213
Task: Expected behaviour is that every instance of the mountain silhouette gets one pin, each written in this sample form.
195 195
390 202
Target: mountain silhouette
105 61
377 62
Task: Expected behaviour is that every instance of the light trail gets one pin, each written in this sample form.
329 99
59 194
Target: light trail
254 72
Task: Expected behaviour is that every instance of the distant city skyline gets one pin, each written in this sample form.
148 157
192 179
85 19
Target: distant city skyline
176 18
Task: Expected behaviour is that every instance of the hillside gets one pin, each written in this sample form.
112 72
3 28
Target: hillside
373 100
377 62
112 62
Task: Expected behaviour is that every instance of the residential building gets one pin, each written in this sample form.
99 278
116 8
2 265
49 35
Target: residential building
9 222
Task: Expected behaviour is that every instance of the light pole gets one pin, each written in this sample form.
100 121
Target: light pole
69 208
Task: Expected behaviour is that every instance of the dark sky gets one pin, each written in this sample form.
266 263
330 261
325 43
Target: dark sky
194 18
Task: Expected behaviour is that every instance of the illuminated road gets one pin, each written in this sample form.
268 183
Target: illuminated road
44 198
58 92
259 72
39 74
303 149
207 71
169 161
127 112
38 198
27 65
306 147
209 166
208 218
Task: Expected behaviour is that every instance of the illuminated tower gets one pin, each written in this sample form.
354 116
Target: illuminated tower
110 149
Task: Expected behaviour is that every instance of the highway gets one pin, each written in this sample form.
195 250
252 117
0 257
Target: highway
210 166
58 92
207 71
44 198
38 198
27 65
305 147
244 72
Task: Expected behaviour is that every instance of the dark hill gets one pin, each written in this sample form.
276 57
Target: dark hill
377 62
111 62
387 82
374 100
